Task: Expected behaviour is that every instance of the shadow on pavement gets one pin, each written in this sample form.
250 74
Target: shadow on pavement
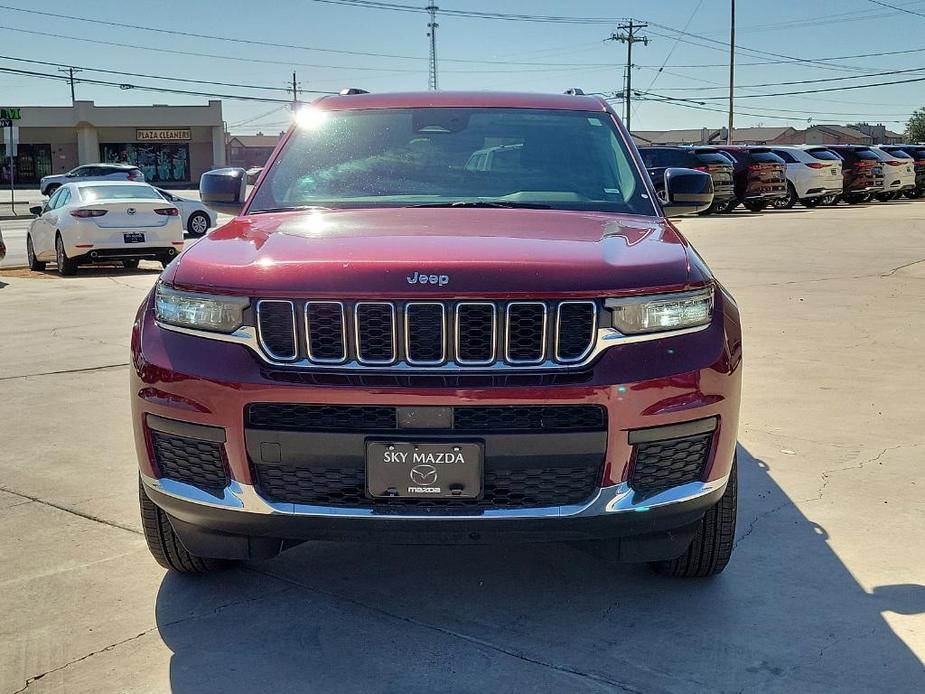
786 616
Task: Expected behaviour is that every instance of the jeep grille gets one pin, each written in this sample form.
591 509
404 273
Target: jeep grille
427 334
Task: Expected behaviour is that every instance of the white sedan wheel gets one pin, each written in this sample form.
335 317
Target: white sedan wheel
198 224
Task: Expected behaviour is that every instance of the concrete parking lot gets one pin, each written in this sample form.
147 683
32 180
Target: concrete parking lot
825 592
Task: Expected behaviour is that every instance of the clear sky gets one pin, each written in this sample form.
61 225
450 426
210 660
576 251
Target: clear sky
480 53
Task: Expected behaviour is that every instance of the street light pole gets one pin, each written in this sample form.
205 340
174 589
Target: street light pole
732 68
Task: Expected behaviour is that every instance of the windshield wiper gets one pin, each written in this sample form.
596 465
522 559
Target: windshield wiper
290 208
485 203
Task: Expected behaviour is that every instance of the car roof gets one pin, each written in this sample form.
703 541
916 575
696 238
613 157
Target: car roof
95 184
440 99
114 165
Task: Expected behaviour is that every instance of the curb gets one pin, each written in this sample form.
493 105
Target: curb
9 217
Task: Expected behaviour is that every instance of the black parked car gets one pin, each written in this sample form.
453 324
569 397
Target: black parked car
862 170
917 152
759 176
657 159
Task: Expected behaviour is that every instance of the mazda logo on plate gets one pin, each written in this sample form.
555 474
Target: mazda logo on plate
425 475
130 210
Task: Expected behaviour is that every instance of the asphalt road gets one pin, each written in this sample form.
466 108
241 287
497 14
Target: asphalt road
825 592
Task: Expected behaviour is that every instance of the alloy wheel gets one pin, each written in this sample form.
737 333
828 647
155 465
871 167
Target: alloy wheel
199 224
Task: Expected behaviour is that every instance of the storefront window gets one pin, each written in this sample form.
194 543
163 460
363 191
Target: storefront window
160 163
32 162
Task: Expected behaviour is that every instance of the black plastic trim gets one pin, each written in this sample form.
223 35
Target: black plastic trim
185 429
673 431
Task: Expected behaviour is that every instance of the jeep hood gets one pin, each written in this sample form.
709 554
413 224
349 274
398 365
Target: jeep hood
485 252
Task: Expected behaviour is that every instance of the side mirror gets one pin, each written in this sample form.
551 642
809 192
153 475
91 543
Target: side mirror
224 190
686 192
36 210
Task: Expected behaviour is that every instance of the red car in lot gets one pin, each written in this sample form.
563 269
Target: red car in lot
759 176
862 170
442 317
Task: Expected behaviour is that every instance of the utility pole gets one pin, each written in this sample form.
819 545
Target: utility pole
432 33
732 69
70 72
295 93
628 36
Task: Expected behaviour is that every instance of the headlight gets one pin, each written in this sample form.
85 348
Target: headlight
659 312
222 314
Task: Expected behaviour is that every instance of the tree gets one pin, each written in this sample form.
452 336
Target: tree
915 127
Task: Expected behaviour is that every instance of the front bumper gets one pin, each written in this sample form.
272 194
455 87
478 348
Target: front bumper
666 382
661 528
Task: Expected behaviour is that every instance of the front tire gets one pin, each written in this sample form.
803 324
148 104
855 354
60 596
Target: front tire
755 206
198 224
164 544
711 549
35 264
66 266
50 190
854 199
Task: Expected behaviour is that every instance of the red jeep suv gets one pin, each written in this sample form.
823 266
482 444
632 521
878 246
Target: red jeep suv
442 317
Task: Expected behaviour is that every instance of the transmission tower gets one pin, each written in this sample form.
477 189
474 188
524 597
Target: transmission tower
432 34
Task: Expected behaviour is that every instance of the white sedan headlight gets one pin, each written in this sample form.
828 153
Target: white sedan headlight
223 314
661 312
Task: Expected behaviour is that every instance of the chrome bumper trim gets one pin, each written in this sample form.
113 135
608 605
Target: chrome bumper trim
606 338
608 500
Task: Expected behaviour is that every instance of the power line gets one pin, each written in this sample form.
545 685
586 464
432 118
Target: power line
899 9
474 14
147 76
250 120
674 45
792 82
551 67
127 86
697 105
253 42
825 89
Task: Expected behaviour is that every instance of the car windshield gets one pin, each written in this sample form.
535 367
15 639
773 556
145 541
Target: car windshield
463 156
109 192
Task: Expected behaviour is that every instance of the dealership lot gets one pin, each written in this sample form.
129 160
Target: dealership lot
825 592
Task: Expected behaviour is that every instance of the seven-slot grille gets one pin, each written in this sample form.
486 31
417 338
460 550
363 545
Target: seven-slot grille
424 334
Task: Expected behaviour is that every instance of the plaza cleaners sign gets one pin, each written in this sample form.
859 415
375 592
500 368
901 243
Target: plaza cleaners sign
163 135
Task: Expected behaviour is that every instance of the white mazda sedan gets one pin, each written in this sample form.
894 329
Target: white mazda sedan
103 222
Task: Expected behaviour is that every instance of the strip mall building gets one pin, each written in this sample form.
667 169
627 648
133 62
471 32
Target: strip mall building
173 145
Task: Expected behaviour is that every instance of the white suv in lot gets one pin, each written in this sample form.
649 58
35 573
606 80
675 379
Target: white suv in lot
92 172
898 171
813 172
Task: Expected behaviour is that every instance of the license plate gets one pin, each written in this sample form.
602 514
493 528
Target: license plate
423 470
134 237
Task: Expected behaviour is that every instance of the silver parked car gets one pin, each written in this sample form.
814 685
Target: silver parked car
92 172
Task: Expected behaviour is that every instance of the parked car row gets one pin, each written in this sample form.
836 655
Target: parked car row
757 177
